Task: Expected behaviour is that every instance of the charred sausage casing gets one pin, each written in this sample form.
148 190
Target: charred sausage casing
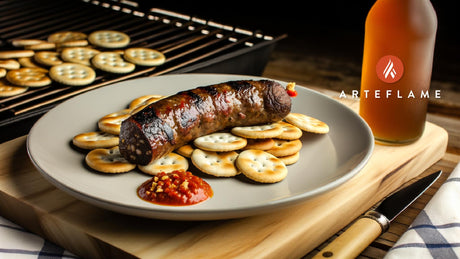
178 119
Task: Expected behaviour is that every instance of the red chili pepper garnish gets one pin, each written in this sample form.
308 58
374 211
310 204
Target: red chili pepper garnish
290 89
292 93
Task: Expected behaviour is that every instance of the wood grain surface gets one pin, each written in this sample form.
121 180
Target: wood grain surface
29 200
331 70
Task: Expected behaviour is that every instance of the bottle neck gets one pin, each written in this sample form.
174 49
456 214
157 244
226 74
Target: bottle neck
416 16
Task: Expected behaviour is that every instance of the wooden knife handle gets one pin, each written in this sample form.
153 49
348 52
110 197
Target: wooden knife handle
356 238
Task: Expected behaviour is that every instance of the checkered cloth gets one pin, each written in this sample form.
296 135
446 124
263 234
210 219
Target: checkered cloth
18 243
435 232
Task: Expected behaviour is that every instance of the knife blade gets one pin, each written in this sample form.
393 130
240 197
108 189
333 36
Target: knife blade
375 222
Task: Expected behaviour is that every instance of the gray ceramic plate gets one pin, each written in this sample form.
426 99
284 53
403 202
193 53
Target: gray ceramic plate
326 160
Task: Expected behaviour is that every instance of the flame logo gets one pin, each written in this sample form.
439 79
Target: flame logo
389 70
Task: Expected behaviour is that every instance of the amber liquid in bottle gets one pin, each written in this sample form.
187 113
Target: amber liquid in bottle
397 64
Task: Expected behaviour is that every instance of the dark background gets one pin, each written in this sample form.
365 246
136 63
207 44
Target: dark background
329 28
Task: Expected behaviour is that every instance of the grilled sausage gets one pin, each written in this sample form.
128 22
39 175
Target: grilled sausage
172 122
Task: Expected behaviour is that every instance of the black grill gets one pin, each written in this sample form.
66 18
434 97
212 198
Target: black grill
190 44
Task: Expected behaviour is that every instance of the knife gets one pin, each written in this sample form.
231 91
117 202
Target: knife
375 222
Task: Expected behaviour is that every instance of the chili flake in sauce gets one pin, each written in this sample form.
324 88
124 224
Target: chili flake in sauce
178 188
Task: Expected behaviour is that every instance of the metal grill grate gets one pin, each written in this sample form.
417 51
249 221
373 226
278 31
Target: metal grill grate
190 44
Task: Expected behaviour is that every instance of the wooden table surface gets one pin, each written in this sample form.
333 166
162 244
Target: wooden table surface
309 60
334 74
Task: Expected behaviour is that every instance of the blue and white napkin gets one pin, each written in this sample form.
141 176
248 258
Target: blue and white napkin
435 232
18 243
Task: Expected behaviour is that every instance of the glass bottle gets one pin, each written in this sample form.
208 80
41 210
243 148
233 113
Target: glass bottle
396 71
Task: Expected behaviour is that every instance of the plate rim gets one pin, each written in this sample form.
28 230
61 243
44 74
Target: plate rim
199 214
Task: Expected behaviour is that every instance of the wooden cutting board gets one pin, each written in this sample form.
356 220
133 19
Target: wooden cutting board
29 200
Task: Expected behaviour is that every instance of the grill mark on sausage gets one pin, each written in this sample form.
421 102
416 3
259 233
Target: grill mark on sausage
145 116
189 110
180 118
196 99
239 86
211 90
160 129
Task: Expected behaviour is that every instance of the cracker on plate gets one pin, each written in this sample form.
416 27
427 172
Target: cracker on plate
220 142
261 166
108 160
111 122
291 159
260 144
307 123
285 147
290 132
219 164
186 150
95 139
167 163
258 131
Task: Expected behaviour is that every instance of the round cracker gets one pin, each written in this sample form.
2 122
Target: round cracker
2 72
109 39
144 56
48 58
95 139
108 161
72 74
167 163
290 132
64 36
72 43
9 64
219 164
27 62
7 89
289 160
258 131
307 123
144 100
260 144
261 166
42 46
7 54
31 77
79 55
220 142
25 42
285 147
112 62
111 123
186 150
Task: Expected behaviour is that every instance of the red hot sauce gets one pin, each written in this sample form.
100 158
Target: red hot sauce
178 188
